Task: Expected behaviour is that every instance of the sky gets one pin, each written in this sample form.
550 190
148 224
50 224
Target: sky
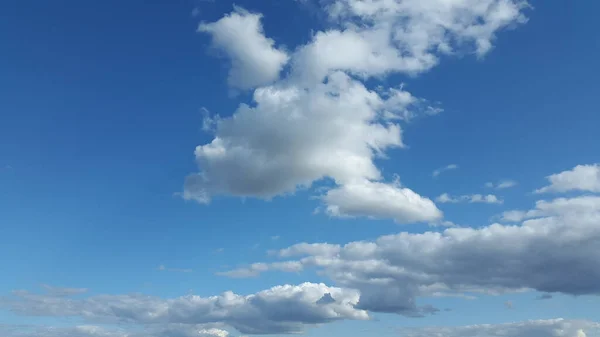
343 168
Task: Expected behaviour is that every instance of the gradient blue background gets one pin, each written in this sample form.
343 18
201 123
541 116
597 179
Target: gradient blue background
101 109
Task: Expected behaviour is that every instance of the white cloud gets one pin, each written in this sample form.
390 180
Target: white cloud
319 121
532 328
254 59
269 144
580 178
556 250
278 310
578 206
379 200
378 37
443 169
472 198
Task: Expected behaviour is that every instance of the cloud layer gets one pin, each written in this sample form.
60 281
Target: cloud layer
555 249
281 309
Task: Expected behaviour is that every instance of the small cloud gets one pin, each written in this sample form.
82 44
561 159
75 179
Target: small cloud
219 250
275 237
502 184
162 267
443 169
472 198
443 224
63 292
506 184
508 305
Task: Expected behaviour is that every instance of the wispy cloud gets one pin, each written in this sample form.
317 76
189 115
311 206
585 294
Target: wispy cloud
162 267
444 169
502 184
471 198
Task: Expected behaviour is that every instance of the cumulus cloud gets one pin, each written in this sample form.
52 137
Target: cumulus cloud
379 37
556 250
265 150
580 178
577 206
444 169
472 198
254 59
379 200
532 328
320 120
281 309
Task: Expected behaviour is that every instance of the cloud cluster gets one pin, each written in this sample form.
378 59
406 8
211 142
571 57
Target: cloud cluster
534 328
320 121
556 249
581 178
281 309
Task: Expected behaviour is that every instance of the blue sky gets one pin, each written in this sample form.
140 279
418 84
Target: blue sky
162 149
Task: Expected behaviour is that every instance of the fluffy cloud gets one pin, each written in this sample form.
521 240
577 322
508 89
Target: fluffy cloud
580 178
533 328
266 150
281 309
573 207
557 249
254 59
443 169
379 37
379 200
320 120
473 198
